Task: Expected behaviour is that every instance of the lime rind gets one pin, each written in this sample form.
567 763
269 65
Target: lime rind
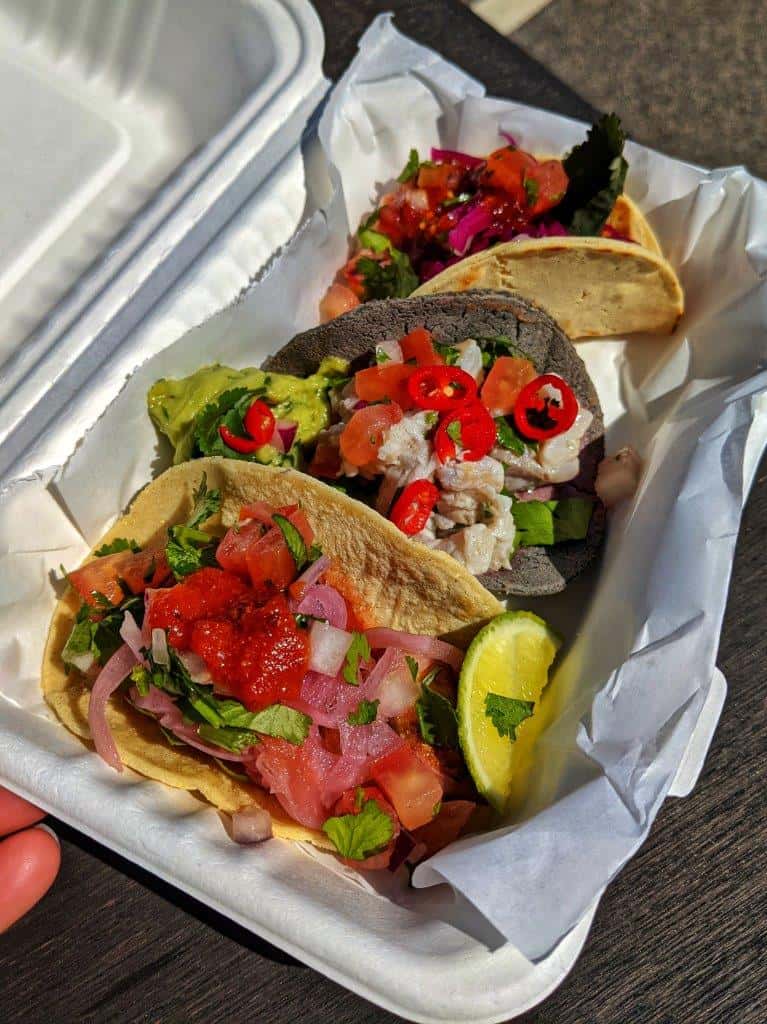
511 656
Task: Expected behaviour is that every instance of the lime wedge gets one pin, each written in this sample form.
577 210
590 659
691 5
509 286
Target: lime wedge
504 672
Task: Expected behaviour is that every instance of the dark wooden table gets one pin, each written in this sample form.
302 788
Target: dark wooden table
679 937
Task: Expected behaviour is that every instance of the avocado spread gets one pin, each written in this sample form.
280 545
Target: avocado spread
189 411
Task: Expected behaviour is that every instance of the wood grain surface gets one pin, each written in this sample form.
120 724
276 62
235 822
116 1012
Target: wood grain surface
679 937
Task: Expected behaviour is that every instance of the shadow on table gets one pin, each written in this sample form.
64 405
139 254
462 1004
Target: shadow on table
209 917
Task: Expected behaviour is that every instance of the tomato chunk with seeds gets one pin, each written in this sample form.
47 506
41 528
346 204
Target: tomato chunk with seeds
503 384
388 381
414 790
364 433
105 575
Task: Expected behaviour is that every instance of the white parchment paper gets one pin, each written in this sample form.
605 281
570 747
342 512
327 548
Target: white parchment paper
645 625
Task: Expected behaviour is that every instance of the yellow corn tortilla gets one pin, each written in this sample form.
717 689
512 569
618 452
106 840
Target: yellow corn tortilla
592 287
429 594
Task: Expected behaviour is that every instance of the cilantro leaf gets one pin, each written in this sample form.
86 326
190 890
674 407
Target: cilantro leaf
543 523
375 240
458 200
411 167
389 278
206 503
412 664
189 548
282 722
532 188
95 635
506 713
507 437
359 651
358 836
118 544
596 170
449 354
366 713
437 718
495 345
295 542
382 357
453 431
235 740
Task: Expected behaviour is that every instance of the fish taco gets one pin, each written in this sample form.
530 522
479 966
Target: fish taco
249 634
471 422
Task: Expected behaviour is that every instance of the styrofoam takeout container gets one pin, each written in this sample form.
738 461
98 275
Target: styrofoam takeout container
152 168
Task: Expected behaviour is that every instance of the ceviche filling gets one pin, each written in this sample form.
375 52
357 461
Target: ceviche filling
456 204
465 448
251 648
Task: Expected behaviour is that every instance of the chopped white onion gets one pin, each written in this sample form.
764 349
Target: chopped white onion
160 652
391 350
250 825
327 648
83 662
397 691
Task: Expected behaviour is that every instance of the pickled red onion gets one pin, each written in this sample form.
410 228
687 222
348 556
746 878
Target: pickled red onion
107 681
324 602
438 650
133 637
250 825
453 156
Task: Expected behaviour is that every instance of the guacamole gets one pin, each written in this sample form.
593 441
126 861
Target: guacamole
189 411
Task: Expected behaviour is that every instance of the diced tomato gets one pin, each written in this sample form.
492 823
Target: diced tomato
538 186
439 176
390 223
363 435
338 299
446 827
295 775
207 593
352 802
419 345
138 570
270 562
389 380
233 547
260 511
507 376
413 789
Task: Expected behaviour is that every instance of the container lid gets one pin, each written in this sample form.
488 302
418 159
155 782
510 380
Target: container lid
134 131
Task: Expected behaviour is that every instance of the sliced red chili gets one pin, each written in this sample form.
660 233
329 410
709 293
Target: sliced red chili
441 387
472 427
259 422
539 414
243 445
412 509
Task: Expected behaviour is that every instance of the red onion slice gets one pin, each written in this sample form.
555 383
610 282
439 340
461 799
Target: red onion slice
287 429
250 825
133 637
107 681
453 156
313 573
324 602
438 650
195 666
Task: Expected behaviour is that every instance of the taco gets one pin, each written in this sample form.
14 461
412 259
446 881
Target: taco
558 232
431 431
246 633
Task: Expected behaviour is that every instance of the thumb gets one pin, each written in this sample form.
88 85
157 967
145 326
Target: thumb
29 862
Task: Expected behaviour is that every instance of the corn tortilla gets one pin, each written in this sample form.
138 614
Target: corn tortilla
432 595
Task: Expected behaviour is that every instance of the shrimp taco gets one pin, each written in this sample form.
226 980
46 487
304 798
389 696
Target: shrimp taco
472 424
249 634
560 232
